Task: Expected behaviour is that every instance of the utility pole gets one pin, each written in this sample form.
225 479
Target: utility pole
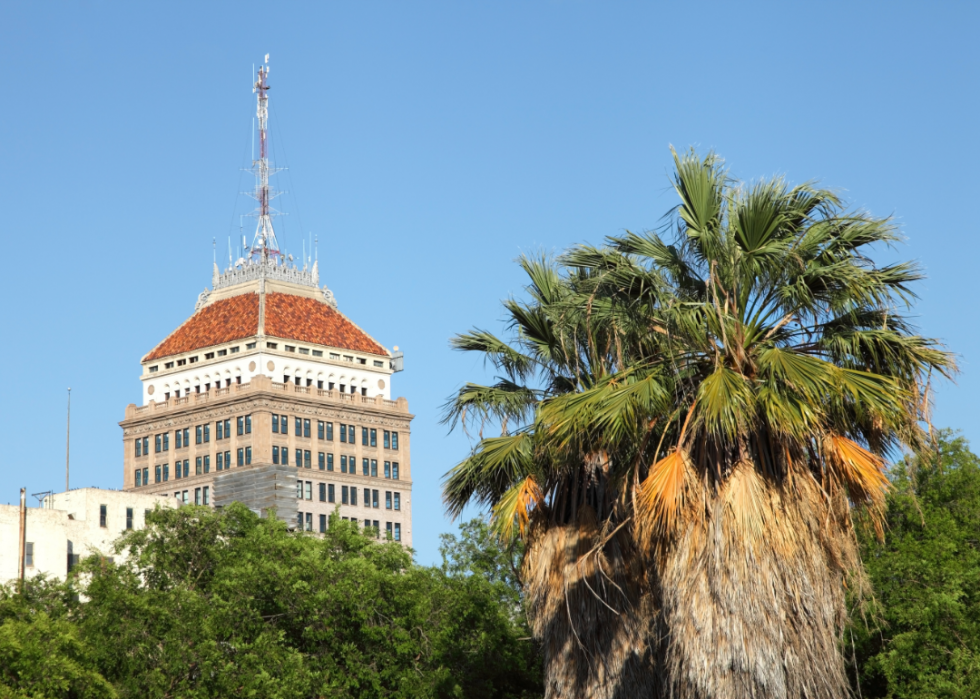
22 558
68 439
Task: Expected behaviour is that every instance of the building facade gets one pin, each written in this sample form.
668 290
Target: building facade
69 526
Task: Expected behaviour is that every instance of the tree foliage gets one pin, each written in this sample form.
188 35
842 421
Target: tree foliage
225 604
921 638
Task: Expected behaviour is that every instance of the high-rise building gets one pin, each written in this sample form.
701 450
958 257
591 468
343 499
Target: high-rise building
270 396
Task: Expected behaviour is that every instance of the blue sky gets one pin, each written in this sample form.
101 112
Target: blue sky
428 145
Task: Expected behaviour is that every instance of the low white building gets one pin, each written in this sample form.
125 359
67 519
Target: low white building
69 526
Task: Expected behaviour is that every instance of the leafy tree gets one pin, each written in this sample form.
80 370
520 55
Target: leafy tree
685 424
921 638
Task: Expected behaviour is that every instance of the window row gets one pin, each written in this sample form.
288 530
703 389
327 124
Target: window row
302 427
325 462
206 387
202 435
393 530
202 465
104 517
348 495
202 495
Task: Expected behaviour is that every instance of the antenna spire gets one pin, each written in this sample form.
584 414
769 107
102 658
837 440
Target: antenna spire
264 244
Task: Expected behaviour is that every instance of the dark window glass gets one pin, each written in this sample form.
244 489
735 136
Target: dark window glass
398 532
307 459
398 501
394 440
320 430
146 476
197 496
298 427
197 466
166 442
207 495
374 498
248 455
197 434
330 495
248 424
207 463
387 499
146 446
275 424
323 492
299 458
103 516
129 518
388 529
387 439
365 467
220 462
329 431
157 444
387 469
374 468
166 472
275 454
241 456
240 425
343 495
323 523
353 495
330 462
367 497
343 433
394 470
178 439
219 430
364 436
228 428
284 453
306 428
207 433
343 463
351 435
139 478
374 438
157 475
321 460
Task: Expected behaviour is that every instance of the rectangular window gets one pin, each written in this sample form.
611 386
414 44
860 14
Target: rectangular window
198 432
364 436
299 458
298 427
353 495
323 492
157 444
139 478
330 462
178 439
166 441
177 469
129 518
304 350
309 490
374 437
306 428
374 499
367 497
323 524
387 469
139 447
103 516
321 460
374 468
275 424
284 453
387 499
307 459
387 439
343 463
367 524
166 472
343 495
28 554
394 470
299 490
365 467
197 496
248 424
219 430
343 433
197 466
329 431
394 440
187 465
398 532
146 446
157 475
187 436
388 530
351 435
330 493
207 499
320 430
309 521
207 433
275 454
207 463
398 501
220 461
146 476
248 455
241 456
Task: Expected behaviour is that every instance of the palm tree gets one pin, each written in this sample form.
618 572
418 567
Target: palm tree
686 428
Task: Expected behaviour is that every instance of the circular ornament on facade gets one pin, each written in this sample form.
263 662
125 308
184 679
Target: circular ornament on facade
381 383
150 390
270 366
251 366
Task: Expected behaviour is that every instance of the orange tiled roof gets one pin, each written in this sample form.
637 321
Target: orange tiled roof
308 320
227 320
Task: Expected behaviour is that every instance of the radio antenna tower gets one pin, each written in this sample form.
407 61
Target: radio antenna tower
264 244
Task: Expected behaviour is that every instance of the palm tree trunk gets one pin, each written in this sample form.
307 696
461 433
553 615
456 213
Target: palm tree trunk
591 612
752 593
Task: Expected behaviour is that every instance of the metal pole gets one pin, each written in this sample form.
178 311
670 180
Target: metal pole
67 439
22 558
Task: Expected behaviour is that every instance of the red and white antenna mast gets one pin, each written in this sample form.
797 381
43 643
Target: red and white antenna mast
264 244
